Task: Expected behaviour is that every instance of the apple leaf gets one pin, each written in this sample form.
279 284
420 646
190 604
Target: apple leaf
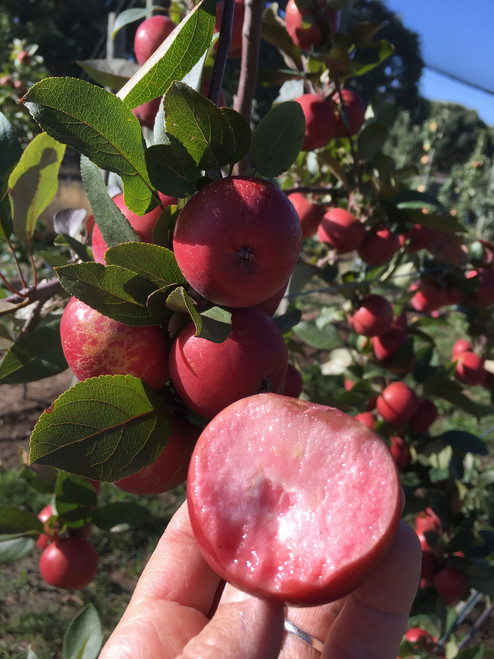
321 338
111 73
464 441
216 325
417 199
278 139
112 290
10 153
15 548
76 499
126 514
34 356
176 56
84 635
274 32
98 124
104 428
18 522
153 262
131 16
367 58
371 140
33 183
172 170
157 305
241 134
199 125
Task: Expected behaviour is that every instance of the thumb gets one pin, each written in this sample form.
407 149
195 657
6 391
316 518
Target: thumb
243 627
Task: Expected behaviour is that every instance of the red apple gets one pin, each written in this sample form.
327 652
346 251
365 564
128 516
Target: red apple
305 28
170 469
470 368
319 121
378 246
367 418
146 113
238 21
51 532
400 451
293 381
387 344
424 417
484 296
317 499
373 316
355 110
397 403
452 584
417 238
270 305
94 345
209 376
150 35
342 230
69 563
428 520
421 639
428 296
237 241
309 212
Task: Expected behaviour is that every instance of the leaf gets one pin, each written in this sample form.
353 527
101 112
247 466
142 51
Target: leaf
84 635
416 199
278 139
371 140
33 183
325 338
364 32
104 428
461 440
273 31
443 387
34 356
176 56
131 16
98 124
128 514
216 325
241 134
18 521
10 153
75 498
445 222
114 226
369 57
153 262
199 125
13 550
172 170
111 73
113 291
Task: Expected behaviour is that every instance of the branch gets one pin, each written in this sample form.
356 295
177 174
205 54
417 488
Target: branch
44 291
224 45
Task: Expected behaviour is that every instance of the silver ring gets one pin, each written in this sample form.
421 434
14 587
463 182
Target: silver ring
313 642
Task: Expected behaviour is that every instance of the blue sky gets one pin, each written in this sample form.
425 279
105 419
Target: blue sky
457 38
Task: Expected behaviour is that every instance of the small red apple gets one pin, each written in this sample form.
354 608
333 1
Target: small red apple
424 417
319 121
342 230
354 107
367 418
452 584
428 295
421 639
387 344
69 563
378 246
150 35
146 113
304 26
397 403
373 316
51 532
309 212
293 381
470 368
400 451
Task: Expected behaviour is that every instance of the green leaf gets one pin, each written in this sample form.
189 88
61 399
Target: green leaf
124 514
364 32
443 222
17 521
241 133
84 635
104 428
111 73
10 153
172 170
99 125
325 338
199 125
416 199
153 262
278 139
371 140
369 57
75 498
13 550
131 16
34 356
114 226
113 291
176 56
216 325
464 441
33 183
442 387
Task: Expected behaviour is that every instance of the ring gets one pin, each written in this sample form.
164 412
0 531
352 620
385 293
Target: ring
314 643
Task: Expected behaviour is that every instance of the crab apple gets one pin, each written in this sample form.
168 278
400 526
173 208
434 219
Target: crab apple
424 417
452 584
428 296
367 418
94 344
470 368
342 230
309 212
421 639
238 21
170 469
397 403
374 315
387 344
319 121
237 241
400 451
355 111
417 238
146 113
378 246
317 499
69 563
293 381
50 532
150 35
209 376
304 26
143 224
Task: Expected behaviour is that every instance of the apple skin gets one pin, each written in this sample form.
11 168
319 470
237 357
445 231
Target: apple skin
209 376
146 113
355 109
397 403
237 241
294 383
378 246
309 212
470 368
452 584
428 296
238 22
319 121
374 315
400 451
342 230
304 27
270 455
150 35
143 224
94 345
387 344
50 533
417 238
69 563
421 639
270 305
170 469
367 418
424 417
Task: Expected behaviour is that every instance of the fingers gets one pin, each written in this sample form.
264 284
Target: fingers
374 617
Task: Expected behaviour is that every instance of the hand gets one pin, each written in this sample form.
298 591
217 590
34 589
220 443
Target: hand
169 616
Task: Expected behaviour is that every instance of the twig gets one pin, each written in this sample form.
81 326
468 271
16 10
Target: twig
45 290
475 628
224 45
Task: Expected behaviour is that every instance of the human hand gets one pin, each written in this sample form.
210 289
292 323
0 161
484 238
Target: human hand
174 611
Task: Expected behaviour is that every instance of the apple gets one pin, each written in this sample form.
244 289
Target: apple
146 113
373 316
290 500
470 368
452 584
24 57
378 246
143 224
424 417
397 403
270 305
400 451
237 241
430 566
484 296
170 469
417 238
209 376
342 230
428 295
94 344
51 532
238 22
421 639
293 381
426 522
386 345
150 35
355 110
319 121
309 212
305 28
69 563
367 418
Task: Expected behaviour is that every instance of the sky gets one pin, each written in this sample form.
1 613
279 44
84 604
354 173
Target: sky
456 38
